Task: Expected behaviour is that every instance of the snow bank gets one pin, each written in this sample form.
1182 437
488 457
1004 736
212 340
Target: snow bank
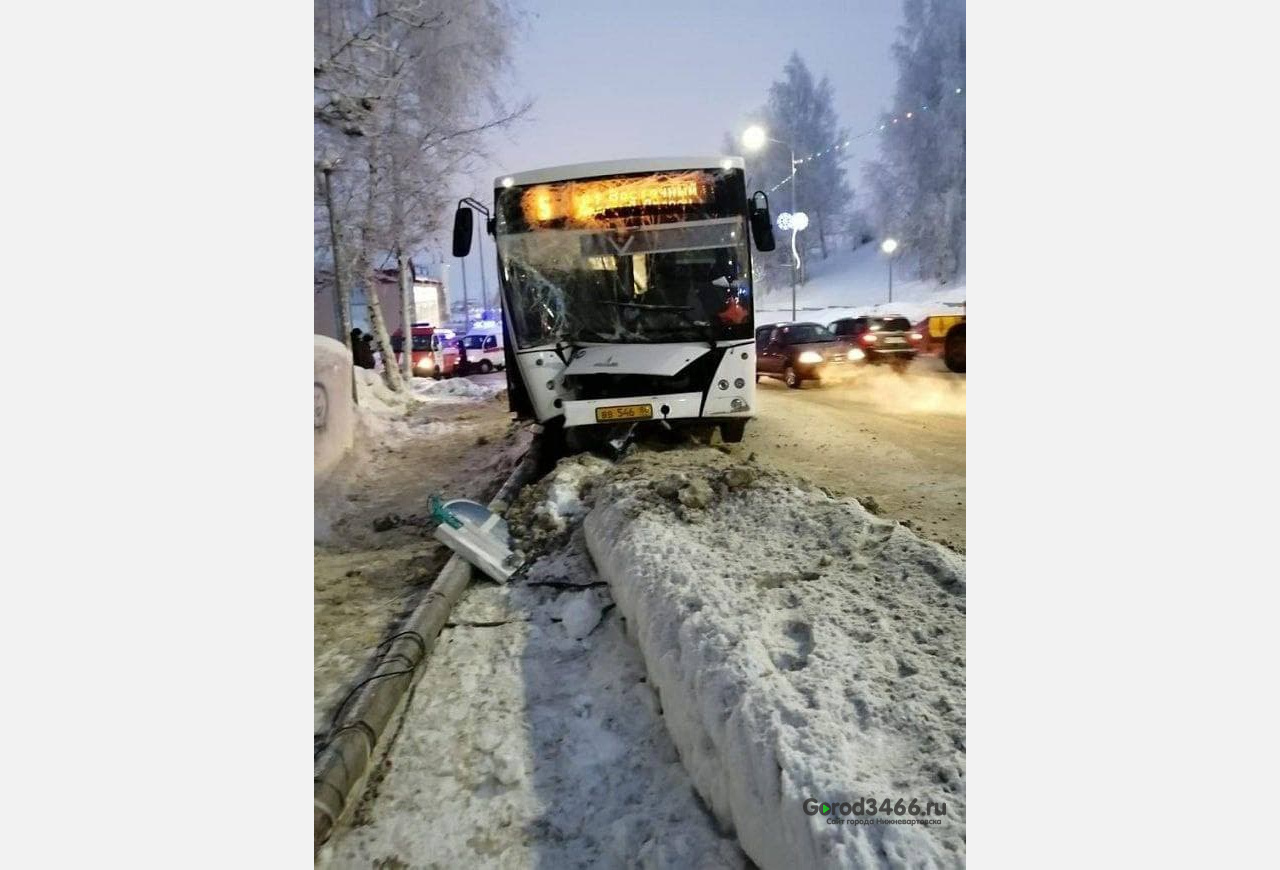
856 283
456 388
334 414
801 647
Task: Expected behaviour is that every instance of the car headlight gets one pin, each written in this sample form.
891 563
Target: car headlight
424 364
811 357
855 355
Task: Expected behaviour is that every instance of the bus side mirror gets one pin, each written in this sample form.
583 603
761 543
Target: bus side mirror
463 227
761 224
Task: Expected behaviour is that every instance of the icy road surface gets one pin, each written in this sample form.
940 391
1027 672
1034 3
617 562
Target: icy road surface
896 438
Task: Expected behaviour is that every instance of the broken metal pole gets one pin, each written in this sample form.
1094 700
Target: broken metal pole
344 762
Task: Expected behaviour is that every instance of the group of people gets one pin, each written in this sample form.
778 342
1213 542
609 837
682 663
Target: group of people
362 349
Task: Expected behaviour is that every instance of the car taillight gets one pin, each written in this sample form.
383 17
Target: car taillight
868 338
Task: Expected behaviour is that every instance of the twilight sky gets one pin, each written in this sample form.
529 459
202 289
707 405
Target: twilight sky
651 78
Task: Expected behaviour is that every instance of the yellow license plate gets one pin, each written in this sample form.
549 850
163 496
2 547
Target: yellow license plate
624 412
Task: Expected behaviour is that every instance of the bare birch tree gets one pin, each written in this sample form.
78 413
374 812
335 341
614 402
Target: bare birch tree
405 90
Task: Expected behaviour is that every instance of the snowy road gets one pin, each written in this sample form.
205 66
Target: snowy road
899 439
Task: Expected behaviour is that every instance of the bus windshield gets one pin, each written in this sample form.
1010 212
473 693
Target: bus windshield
582 267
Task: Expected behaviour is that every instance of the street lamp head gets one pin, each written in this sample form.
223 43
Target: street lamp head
754 137
889 246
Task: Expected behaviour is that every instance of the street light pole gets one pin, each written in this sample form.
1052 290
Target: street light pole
484 282
795 258
753 138
462 266
889 246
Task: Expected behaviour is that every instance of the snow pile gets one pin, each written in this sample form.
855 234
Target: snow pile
388 417
373 393
453 389
856 283
801 647
545 512
535 740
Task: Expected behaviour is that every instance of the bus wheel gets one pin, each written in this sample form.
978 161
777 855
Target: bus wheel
485 367
731 431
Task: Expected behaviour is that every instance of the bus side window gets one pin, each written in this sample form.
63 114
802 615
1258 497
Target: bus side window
490 343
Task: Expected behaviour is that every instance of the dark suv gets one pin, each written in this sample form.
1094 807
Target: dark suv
798 352
878 339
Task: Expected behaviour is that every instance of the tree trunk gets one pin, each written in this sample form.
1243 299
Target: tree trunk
341 291
390 370
406 315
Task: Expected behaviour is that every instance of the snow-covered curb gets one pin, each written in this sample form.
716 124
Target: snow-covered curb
802 648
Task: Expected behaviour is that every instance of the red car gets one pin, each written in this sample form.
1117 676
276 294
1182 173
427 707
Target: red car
879 339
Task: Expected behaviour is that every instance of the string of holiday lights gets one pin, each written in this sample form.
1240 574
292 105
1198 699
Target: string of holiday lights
879 128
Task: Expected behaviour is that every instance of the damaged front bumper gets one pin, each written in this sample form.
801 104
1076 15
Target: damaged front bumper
670 407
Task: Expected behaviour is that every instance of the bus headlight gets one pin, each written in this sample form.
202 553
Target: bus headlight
739 383
810 357
739 404
724 385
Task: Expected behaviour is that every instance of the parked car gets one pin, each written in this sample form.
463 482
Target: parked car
878 339
799 352
484 351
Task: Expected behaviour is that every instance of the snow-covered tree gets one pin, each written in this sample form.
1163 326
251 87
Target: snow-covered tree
800 113
404 90
917 187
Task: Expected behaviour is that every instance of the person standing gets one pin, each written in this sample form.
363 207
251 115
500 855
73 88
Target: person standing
365 359
462 357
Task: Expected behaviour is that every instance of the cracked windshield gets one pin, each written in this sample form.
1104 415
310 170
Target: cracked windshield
654 258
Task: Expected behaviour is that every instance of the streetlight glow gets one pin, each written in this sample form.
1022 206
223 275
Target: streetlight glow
889 246
754 137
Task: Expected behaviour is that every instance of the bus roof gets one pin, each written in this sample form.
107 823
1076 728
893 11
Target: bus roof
617 167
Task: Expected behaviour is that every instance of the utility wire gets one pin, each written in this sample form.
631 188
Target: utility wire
879 128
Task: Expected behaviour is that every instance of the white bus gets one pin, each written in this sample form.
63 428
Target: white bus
627 291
